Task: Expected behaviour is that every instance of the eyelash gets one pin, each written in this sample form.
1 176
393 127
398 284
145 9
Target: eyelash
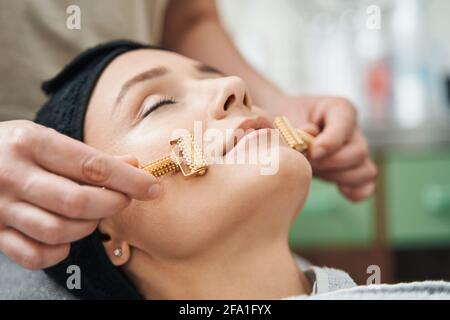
161 102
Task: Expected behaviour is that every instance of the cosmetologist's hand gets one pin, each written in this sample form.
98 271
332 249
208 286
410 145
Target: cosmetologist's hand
54 190
340 153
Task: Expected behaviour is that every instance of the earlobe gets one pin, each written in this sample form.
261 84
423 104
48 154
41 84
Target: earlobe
118 251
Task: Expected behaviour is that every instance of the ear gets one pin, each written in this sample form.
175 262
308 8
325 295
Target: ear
118 251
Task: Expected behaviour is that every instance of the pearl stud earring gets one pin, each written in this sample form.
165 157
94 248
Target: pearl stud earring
117 253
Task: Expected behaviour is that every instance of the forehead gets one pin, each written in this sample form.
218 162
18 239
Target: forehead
132 63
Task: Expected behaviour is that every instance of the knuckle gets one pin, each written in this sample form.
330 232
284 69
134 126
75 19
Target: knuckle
11 216
346 103
46 134
52 232
74 202
361 157
8 177
343 101
29 184
23 137
51 131
96 169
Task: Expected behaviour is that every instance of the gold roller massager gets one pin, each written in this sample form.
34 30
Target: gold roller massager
188 158
296 139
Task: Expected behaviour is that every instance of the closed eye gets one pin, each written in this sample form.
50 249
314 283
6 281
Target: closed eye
160 103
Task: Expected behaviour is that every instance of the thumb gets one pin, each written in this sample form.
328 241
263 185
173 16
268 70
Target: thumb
310 129
131 160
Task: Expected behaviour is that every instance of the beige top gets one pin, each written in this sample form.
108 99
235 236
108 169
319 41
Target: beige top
36 42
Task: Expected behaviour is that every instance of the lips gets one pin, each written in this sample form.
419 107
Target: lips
245 128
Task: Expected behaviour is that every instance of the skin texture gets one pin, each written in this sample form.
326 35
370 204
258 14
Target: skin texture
220 236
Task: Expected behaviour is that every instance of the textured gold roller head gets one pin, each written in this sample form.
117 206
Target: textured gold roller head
161 167
189 156
295 138
186 157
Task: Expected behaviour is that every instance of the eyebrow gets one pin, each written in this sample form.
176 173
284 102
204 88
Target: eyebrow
159 72
144 76
203 68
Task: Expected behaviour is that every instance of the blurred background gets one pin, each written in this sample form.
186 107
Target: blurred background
392 59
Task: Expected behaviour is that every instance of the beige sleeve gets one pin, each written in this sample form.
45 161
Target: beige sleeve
36 43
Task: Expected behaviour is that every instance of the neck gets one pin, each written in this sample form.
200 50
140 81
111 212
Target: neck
259 272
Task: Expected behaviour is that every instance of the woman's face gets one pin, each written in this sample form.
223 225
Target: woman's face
141 99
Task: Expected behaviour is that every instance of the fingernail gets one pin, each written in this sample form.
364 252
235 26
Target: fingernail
154 191
318 152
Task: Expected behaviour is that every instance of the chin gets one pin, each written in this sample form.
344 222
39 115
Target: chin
294 175
288 175
294 163
277 197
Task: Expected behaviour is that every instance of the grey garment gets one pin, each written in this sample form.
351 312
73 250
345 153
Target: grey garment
427 290
333 284
324 280
17 283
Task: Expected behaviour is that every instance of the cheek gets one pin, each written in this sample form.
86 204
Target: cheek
188 218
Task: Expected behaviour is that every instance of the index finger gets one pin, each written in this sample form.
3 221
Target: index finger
339 124
75 160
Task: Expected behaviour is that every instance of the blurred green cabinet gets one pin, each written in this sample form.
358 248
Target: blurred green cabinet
417 189
329 220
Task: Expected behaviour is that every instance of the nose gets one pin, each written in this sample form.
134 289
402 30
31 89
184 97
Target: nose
233 96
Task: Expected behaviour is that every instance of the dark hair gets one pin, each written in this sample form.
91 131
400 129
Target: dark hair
69 93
